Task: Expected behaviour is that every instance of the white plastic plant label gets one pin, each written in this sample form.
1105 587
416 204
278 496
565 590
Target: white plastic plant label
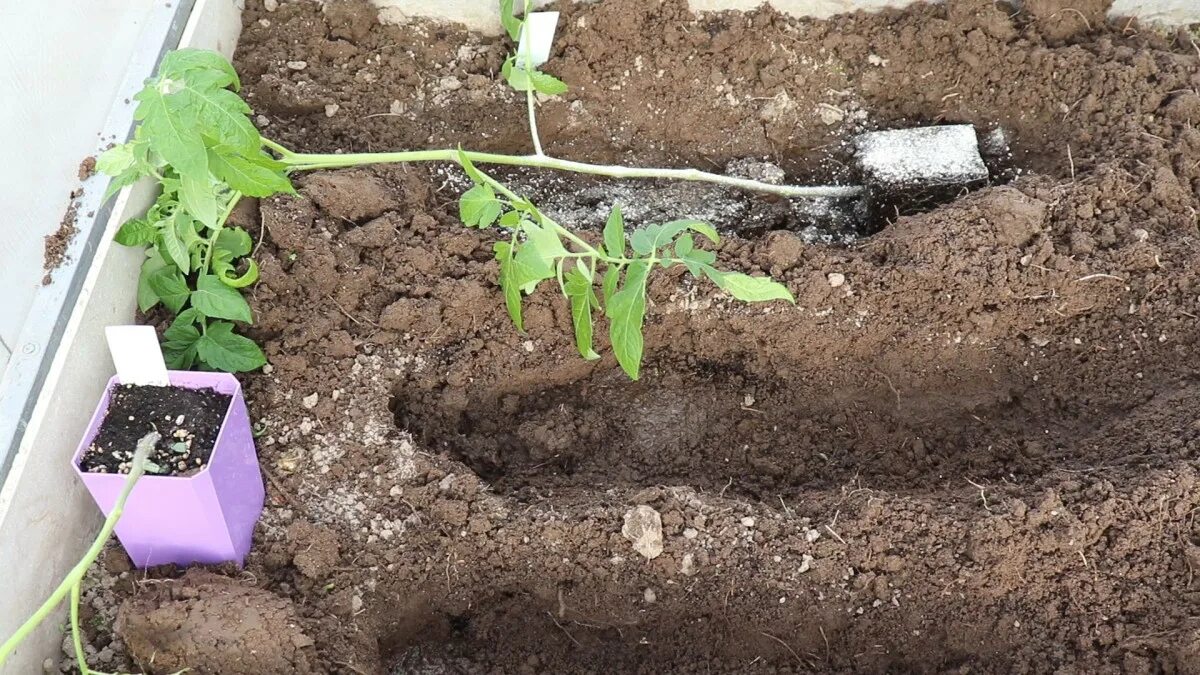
136 354
538 37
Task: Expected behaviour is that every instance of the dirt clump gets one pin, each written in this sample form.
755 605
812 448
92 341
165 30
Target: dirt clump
55 247
211 625
87 167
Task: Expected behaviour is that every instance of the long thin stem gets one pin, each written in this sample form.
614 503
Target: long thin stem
216 231
73 577
307 162
76 637
527 35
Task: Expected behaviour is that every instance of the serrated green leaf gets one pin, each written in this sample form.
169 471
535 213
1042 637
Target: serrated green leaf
198 196
120 183
170 286
173 248
512 25
751 289
543 239
179 340
516 76
614 233
250 276
478 207
146 297
213 298
116 160
136 232
510 219
235 240
251 178
185 229
530 268
222 115
626 312
509 282
612 277
224 350
545 83
172 131
181 61
583 300
650 238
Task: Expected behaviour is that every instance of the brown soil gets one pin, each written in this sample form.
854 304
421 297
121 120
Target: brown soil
55 247
87 167
975 454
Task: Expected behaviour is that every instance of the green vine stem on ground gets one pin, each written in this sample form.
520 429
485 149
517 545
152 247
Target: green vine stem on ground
71 584
196 139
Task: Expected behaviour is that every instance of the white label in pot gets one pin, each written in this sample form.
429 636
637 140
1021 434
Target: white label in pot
136 354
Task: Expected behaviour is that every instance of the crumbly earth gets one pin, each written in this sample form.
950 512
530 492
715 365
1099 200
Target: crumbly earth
970 446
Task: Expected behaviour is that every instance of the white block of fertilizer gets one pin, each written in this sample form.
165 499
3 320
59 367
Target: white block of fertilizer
920 157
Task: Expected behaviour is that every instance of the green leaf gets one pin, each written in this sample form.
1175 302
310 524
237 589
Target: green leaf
198 197
224 350
509 282
120 183
146 297
252 178
516 76
249 277
544 83
626 312
173 248
170 286
478 207
172 132
512 25
116 160
181 61
510 219
529 267
583 301
136 232
650 238
612 277
222 115
179 340
235 240
750 289
213 298
544 240
684 246
614 233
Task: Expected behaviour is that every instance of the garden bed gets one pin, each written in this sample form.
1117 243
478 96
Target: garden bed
970 445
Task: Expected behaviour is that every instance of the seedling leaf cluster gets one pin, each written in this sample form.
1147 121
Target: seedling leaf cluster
196 139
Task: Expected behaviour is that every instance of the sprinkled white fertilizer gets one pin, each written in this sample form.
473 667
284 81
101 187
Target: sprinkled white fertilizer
922 156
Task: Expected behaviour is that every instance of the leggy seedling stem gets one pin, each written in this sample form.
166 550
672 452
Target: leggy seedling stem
70 585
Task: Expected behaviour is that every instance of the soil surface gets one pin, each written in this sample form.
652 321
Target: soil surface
54 247
970 446
187 420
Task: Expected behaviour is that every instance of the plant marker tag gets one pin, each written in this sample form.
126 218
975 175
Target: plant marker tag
136 354
539 32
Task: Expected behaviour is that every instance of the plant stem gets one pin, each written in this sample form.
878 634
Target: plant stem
527 34
212 238
76 639
309 162
74 577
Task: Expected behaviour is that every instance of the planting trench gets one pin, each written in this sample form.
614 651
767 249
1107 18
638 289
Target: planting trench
969 447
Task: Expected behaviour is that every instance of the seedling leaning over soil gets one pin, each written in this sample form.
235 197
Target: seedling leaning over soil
196 139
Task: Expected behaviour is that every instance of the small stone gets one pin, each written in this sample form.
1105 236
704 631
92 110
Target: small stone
748 521
450 83
270 5
643 527
268 369
179 420
356 604
396 491
1140 235
687 566
297 65
528 345
396 107
811 535
830 115
876 60
836 279
649 595
331 109
806 562
310 401
690 533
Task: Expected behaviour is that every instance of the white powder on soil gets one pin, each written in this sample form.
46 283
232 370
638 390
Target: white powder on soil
925 156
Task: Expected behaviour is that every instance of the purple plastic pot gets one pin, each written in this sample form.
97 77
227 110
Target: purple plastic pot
204 518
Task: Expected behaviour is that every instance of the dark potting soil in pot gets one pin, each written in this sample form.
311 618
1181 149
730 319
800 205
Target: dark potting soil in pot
970 446
188 421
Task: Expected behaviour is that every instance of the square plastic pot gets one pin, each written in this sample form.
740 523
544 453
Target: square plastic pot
207 517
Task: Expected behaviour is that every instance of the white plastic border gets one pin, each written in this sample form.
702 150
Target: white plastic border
47 519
